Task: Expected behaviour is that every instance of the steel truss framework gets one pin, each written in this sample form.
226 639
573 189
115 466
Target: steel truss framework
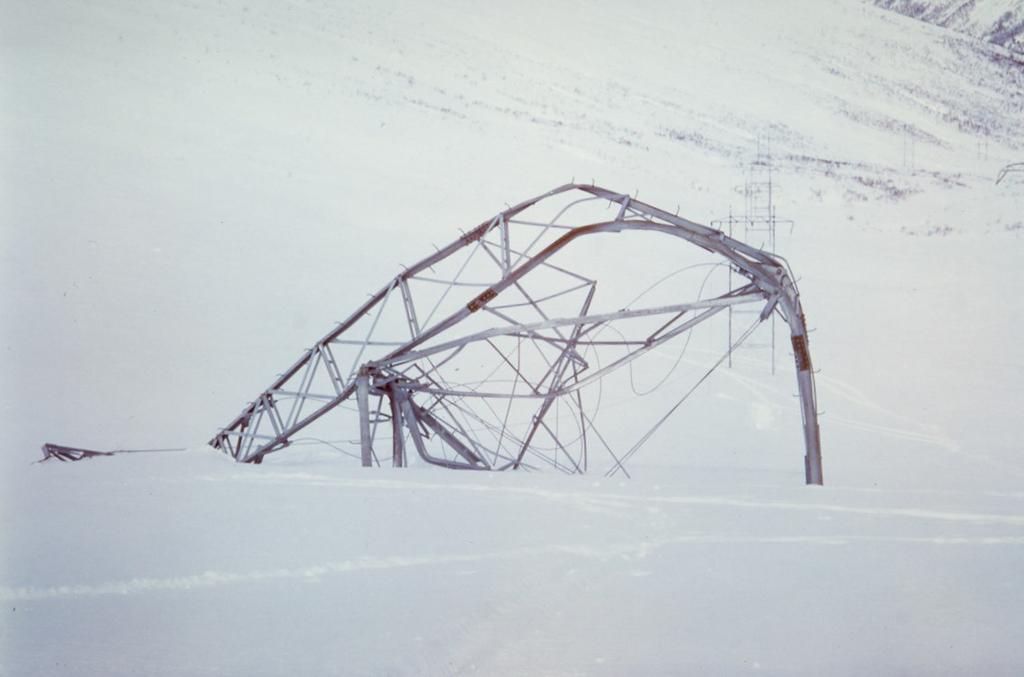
478 356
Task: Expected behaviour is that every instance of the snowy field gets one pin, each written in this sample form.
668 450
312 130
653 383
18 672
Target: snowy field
191 193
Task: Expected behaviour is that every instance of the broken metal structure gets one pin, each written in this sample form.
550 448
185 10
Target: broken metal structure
1013 167
62 453
478 356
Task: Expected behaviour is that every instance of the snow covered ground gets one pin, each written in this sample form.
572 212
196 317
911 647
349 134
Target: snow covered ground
194 565
193 192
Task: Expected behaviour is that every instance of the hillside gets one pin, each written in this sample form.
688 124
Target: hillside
1000 22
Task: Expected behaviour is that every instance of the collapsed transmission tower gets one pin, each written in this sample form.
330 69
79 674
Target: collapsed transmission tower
478 356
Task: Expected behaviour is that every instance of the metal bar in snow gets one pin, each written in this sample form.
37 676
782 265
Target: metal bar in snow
397 433
461 449
363 399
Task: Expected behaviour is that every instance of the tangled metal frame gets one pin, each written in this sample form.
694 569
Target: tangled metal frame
1013 167
407 382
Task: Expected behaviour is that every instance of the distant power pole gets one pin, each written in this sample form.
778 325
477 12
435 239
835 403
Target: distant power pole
908 149
756 226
